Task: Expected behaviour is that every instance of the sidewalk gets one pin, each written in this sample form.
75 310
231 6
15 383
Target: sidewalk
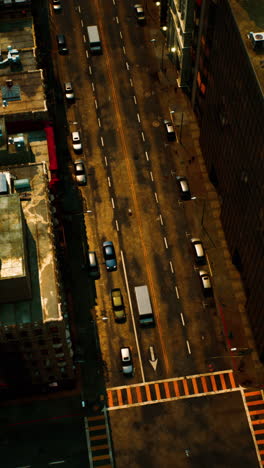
228 287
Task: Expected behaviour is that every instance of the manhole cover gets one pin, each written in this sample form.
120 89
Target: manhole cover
156 123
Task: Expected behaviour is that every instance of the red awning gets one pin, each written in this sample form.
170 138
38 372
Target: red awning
53 162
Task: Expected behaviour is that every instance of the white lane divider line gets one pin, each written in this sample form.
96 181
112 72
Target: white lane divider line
182 319
188 347
161 220
177 292
117 225
171 267
165 242
113 202
156 197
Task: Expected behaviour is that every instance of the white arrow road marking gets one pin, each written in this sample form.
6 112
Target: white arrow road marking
153 360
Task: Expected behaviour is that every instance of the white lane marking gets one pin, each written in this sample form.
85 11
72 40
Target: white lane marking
109 181
113 203
209 266
133 318
151 176
147 156
143 136
90 68
188 346
113 2
182 319
87 56
84 38
79 9
171 267
117 225
165 242
82 23
95 103
156 197
131 82
117 20
177 292
56 462
93 88
102 141
127 66
124 50
138 117
120 34
161 220
135 99
106 162
99 121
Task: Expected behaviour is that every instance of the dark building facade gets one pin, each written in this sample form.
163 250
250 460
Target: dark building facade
228 84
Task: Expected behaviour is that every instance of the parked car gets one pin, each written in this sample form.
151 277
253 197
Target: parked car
62 46
198 251
93 266
141 19
68 89
206 283
76 142
118 305
184 188
56 5
80 172
170 132
109 256
126 361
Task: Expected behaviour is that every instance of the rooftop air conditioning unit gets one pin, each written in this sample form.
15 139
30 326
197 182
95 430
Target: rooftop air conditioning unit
257 39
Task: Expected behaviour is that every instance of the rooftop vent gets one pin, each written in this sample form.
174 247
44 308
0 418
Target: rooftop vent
257 40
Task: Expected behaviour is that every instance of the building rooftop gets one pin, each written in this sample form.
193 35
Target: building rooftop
249 16
45 302
21 83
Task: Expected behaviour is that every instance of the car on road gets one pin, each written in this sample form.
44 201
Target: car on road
206 283
184 188
109 256
62 46
68 90
198 251
80 173
56 5
170 132
118 305
76 142
126 361
141 19
93 266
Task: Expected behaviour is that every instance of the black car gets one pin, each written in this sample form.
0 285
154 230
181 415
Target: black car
109 256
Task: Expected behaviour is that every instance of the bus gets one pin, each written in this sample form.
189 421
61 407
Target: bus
94 40
146 316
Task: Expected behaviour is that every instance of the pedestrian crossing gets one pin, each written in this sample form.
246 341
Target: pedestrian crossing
170 389
98 441
254 401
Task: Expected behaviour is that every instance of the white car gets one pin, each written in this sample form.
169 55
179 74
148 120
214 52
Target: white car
170 132
206 283
56 5
126 360
68 89
140 14
198 251
80 173
76 142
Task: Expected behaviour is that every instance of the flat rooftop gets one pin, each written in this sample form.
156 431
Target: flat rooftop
26 92
44 304
249 16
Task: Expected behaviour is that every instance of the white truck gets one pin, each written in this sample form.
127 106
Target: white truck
94 40
146 316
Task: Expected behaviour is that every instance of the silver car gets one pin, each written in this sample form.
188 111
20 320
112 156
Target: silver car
80 173
76 142
68 89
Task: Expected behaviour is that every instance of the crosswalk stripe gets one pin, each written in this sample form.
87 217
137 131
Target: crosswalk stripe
185 386
222 378
148 393
157 389
167 390
247 394
213 382
232 380
204 384
255 402
195 387
119 397
139 396
110 398
129 395
176 388
253 413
